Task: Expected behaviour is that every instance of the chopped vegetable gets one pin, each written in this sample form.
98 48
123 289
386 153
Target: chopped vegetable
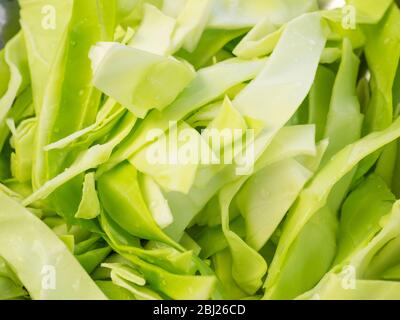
200 149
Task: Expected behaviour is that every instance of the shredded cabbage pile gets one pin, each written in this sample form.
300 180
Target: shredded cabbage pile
111 186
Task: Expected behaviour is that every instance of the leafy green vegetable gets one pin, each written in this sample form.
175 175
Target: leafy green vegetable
335 283
143 74
382 39
263 195
122 198
16 60
209 84
200 149
315 195
47 257
89 206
